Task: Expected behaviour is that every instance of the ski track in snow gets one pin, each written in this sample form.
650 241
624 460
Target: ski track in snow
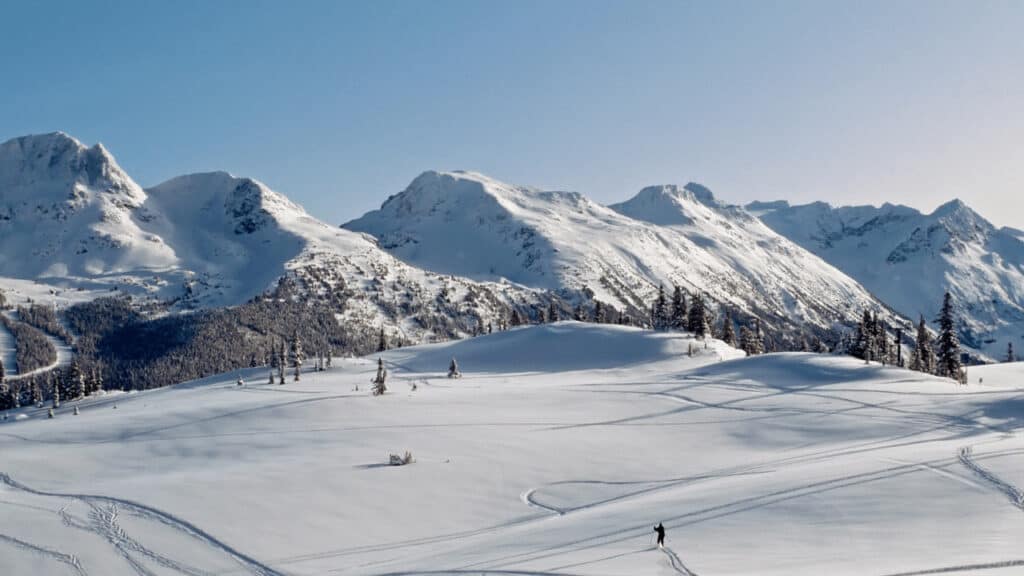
1012 492
676 563
103 512
69 559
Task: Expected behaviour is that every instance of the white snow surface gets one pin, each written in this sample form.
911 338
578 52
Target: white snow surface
556 453
468 224
909 259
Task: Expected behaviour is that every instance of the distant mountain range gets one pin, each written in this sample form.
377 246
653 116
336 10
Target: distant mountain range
908 259
456 251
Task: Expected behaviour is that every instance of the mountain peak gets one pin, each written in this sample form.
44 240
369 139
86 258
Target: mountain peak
671 204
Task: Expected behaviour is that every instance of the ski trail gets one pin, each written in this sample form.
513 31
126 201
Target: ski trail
69 559
103 521
527 498
1012 492
676 563
63 351
964 568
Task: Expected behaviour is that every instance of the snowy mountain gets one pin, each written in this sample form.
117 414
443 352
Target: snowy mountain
468 224
908 259
72 219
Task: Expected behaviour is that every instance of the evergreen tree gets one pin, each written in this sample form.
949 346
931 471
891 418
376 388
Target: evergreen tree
697 322
6 401
281 362
515 320
75 381
577 313
1010 356
382 342
728 332
296 355
923 358
898 344
2 373
97 380
659 313
453 369
599 313
37 394
553 315
678 315
56 394
379 381
949 343
752 340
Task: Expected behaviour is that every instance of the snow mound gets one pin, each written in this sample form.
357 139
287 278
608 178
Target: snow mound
558 347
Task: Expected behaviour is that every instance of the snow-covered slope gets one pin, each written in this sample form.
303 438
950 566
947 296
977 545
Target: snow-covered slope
468 224
72 219
908 259
777 465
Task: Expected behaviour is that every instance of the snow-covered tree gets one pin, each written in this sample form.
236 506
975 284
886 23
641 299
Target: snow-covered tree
453 369
600 316
923 358
516 319
55 387
37 394
379 381
678 316
697 320
659 311
553 315
297 355
752 340
948 343
382 341
577 313
1010 356
728 334
75 381
281 362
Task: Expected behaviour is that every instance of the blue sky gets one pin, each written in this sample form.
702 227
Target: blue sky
340 104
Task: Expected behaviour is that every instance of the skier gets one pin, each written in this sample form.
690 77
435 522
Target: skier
661 535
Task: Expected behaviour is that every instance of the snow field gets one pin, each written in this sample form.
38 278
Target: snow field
535 462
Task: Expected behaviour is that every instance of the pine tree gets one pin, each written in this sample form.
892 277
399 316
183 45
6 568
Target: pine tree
949 343
728 334
75 381
553 315
697 321
659 313
577 313
453 369
2 373
281 362
1010 356
898 344
37 394
379 381
678 315
752 340
923 358
382 341
296 355
6 402
97 380
600 317
516 319
56 394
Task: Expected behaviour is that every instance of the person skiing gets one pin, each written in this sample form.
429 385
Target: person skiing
661 535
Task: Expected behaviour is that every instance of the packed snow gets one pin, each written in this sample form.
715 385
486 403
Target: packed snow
557 452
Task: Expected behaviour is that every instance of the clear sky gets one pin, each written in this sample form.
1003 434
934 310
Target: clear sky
340 104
